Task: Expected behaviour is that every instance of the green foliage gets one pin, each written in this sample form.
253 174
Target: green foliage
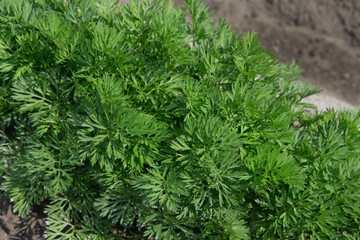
130 122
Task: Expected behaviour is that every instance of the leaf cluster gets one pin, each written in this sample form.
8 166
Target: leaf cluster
131 122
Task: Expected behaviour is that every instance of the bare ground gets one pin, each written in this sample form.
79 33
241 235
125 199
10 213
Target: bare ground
322 36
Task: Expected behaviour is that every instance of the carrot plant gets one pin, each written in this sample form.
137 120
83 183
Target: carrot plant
127 121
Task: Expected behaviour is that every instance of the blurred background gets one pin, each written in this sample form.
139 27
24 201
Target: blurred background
322 36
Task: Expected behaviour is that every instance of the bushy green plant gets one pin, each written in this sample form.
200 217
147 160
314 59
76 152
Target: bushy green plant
130 122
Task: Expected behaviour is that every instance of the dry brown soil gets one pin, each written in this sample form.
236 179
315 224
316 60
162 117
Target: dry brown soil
12 227
323 36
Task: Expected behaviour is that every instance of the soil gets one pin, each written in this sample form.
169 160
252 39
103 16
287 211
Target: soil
322 36
12 227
